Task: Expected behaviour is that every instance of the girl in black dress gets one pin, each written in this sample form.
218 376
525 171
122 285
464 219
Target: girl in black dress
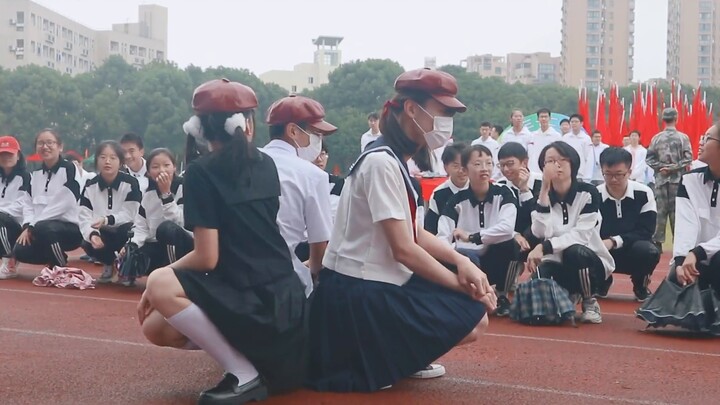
235 296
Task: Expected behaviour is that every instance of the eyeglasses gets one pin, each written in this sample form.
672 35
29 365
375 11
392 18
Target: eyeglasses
49 144
323 155
706 138
557 161
616 176
509 164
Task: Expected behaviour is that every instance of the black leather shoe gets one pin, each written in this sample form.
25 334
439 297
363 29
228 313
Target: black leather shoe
228 392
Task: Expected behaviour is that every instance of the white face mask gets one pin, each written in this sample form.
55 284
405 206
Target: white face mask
312 151
441 132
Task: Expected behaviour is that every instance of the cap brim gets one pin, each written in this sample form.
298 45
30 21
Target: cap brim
323 126
10 150
450 102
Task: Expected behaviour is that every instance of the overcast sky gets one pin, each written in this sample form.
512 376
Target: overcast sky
277 34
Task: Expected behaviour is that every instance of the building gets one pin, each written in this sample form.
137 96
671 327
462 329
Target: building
36 35
532 68
692 40
597 43
486 65
307 76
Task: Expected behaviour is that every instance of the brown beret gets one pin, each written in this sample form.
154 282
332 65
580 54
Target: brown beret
438 84
222 95
298 109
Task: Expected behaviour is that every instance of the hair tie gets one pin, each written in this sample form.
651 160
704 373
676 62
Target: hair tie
233 122
389 104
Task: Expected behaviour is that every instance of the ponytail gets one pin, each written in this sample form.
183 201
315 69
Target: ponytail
394 134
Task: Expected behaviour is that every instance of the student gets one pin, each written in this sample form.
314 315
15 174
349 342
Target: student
235 295
297 129
628 221
697 242
638 153
135 164
496 131
452 160
108 205
488 141
594 171
50 222
564 126
158 227
525 186
545 135
385 307
580 141
336 182
566 219
518 132
373 133
82 175
481 222
15 195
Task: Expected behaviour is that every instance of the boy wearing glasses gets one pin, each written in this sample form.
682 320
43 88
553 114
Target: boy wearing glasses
628 221
480 221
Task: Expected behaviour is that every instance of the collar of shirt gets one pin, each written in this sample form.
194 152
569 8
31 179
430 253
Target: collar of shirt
281 146
629 192
569 197
8 178
488 196
139 173
708 176
103 184
53 169
550 131
455 189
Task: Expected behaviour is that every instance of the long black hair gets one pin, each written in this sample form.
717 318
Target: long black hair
238 152
394 135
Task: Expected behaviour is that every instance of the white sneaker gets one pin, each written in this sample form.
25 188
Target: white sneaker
7 272
106 276
431 371
591 311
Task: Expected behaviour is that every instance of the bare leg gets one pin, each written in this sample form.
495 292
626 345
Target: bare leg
159 332
477 332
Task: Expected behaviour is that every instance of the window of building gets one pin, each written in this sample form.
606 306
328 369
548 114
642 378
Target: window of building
327 59
593 38
592 74
592 61
311 80
546 68
703 71
293 89
704 60
160 55
114 46
142 52
20 17
593 15
704 38
594 4
33 19
610 62
498 70
133 50
592 50
593 26
705 27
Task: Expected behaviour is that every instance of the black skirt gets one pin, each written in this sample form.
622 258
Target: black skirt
266 323
365 335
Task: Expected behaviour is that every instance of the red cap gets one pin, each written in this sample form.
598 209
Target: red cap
298 109
9 144
222 95
440 85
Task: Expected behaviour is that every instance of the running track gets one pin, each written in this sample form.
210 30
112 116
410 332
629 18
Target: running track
70 347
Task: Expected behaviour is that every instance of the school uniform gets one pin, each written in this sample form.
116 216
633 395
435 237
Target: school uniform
52 216
14 196
574 253
630 223
336 185
523 137
581 143
372 321
526 204
438 199
491 225
538 141
118 202
140 175
594 171
305 213
253 296
639 167
494 147
697 224
158 227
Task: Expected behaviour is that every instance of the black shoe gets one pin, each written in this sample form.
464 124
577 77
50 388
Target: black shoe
503 306
604 288
641 294
229 392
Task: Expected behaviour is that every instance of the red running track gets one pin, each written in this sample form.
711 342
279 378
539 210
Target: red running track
71 347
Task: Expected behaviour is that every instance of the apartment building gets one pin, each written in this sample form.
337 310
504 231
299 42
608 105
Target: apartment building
307 76
693 35
533 68
597 45
36 35
486 65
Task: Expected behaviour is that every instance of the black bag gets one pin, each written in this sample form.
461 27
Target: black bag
135 263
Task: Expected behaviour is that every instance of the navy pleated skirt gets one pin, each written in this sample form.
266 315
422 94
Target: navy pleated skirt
366 335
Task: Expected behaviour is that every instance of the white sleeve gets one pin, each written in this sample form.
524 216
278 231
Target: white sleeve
687 223
317 212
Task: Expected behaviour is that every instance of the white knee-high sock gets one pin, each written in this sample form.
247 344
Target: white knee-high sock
193 323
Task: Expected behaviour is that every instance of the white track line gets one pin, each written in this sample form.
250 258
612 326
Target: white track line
85 297
65 336
552 391
599 344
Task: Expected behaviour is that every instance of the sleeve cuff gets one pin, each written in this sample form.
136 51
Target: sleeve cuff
679 260
526 196
110 219
618 241
700 253
168 200
475 238
542 209
94 233
547 247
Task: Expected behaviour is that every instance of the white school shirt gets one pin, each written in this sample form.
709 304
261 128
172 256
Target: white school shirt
697 216
15 193
140 175
55 193
522 137
538 141
374 192
494 147
573 220
155 210
494 217
696 164
594 171
639 167
118 201
581 143
305 212
366 138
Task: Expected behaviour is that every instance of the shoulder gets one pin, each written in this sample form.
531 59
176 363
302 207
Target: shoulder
590 191
69 167
460 196
126 178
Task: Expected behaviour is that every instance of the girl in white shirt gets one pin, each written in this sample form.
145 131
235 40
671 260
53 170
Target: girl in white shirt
15 194
567 220
385 306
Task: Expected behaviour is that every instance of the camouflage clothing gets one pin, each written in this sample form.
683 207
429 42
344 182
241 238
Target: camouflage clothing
671 150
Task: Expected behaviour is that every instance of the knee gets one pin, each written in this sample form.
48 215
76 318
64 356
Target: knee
159 285
478 330
645 251
160 333
165 233
577 252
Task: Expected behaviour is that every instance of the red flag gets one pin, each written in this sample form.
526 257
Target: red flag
614 136
584 107
600 119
